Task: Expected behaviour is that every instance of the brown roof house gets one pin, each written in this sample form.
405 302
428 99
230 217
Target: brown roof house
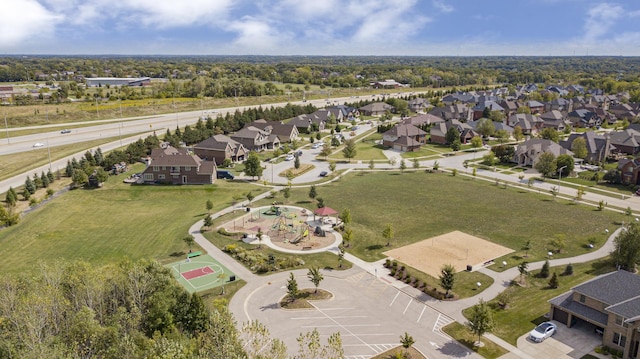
610 304
217 148
419 104
304 123
170 165
530 124
584 118
554 119
630 170
404 138
376 109
458 111
438 133
528 152
255 139
422 120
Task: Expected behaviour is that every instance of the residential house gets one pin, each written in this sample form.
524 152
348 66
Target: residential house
459 98
286 132
304 123
510 107
404 137
439 131
610 304
348 113
422 120
582 118
255 139
376 109
217 148
326 115
419 104
458 111
626 141
530 124
478 109
624 111
178 166
528 152
535 106
560 104
601 101
598 146
630 170
554 119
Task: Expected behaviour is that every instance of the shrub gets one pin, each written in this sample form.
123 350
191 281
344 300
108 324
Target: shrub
568 270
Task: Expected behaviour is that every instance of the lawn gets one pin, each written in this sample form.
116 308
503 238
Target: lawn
107 224
529 302
16 163
422 205
459 332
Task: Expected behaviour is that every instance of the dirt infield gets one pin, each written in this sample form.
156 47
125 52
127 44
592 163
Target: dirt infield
456 248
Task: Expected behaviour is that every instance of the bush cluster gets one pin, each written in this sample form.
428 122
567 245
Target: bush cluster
259 262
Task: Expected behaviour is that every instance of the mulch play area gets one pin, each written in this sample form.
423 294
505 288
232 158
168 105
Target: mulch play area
286 227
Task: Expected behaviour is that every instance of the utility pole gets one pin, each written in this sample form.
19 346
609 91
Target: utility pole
97 114
48 148
120 125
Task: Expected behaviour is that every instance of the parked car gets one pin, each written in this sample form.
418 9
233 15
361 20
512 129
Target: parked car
222 174
289 158
542 332
298 153
317 145
65 131
324 174
38 144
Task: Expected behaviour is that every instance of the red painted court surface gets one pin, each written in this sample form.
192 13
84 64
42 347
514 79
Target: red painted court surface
198 272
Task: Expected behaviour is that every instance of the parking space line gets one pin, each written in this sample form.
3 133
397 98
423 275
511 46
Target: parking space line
420 317
407 307
340 325
344 327
394 299
337 317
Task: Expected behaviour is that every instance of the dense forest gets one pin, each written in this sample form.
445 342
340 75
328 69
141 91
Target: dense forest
226 76
127 310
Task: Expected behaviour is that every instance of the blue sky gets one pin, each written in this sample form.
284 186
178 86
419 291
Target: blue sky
321 27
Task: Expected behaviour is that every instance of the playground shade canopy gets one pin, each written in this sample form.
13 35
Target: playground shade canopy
325 211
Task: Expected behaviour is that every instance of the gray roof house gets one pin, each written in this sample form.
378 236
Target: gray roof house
609 303
598 146
422 119
220 147
255 139
530 124
554 119
376 109
404 137
626 141
528 152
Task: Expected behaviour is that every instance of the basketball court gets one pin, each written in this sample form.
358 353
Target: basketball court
456 248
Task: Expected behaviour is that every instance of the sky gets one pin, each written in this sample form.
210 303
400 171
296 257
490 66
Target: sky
321 27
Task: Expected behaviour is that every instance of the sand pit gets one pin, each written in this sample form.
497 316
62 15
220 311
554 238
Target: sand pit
456 248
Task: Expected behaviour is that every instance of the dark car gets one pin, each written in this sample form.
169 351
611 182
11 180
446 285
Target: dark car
220 174
324 173
65 131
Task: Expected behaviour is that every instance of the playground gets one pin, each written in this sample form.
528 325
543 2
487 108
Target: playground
285 227
200 273
456 248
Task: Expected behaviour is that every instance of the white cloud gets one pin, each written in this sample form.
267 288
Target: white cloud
382 21
25 20
600 19
255 36
442 6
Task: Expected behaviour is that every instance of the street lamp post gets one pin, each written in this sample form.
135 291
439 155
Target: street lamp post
6 126
120 125
560 172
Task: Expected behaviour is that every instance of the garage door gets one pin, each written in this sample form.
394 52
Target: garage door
560 315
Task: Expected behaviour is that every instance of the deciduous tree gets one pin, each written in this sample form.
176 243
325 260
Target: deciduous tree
447 278
481 319
626 251
252 166
349 151
315 276
546 164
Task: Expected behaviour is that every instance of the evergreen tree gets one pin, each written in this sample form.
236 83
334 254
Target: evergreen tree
292 287
98 157
447 278
544 271
11 197
44 180
50 176
29 186
553 282
312 192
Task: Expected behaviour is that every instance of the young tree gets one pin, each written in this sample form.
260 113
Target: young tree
372 165
447 278
522 268
259 236
579 148
79 178
11 197
320 202
407 341
296 162
486 128
526 248
345 216
349 151
387 233
250 196
312 192
481 320
517 133
252 166
340 255
286 193
326 150
332 166
208 220
209 206
347 237
315 276
29 185
403 165
544 271
546 164
456 144
476 142
452 135
558 242
292 287
189 240
626 251
416 164
553 282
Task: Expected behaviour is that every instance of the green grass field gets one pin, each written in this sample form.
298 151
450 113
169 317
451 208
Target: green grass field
116 221
421 205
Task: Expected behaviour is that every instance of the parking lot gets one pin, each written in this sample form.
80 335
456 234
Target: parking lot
370 315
